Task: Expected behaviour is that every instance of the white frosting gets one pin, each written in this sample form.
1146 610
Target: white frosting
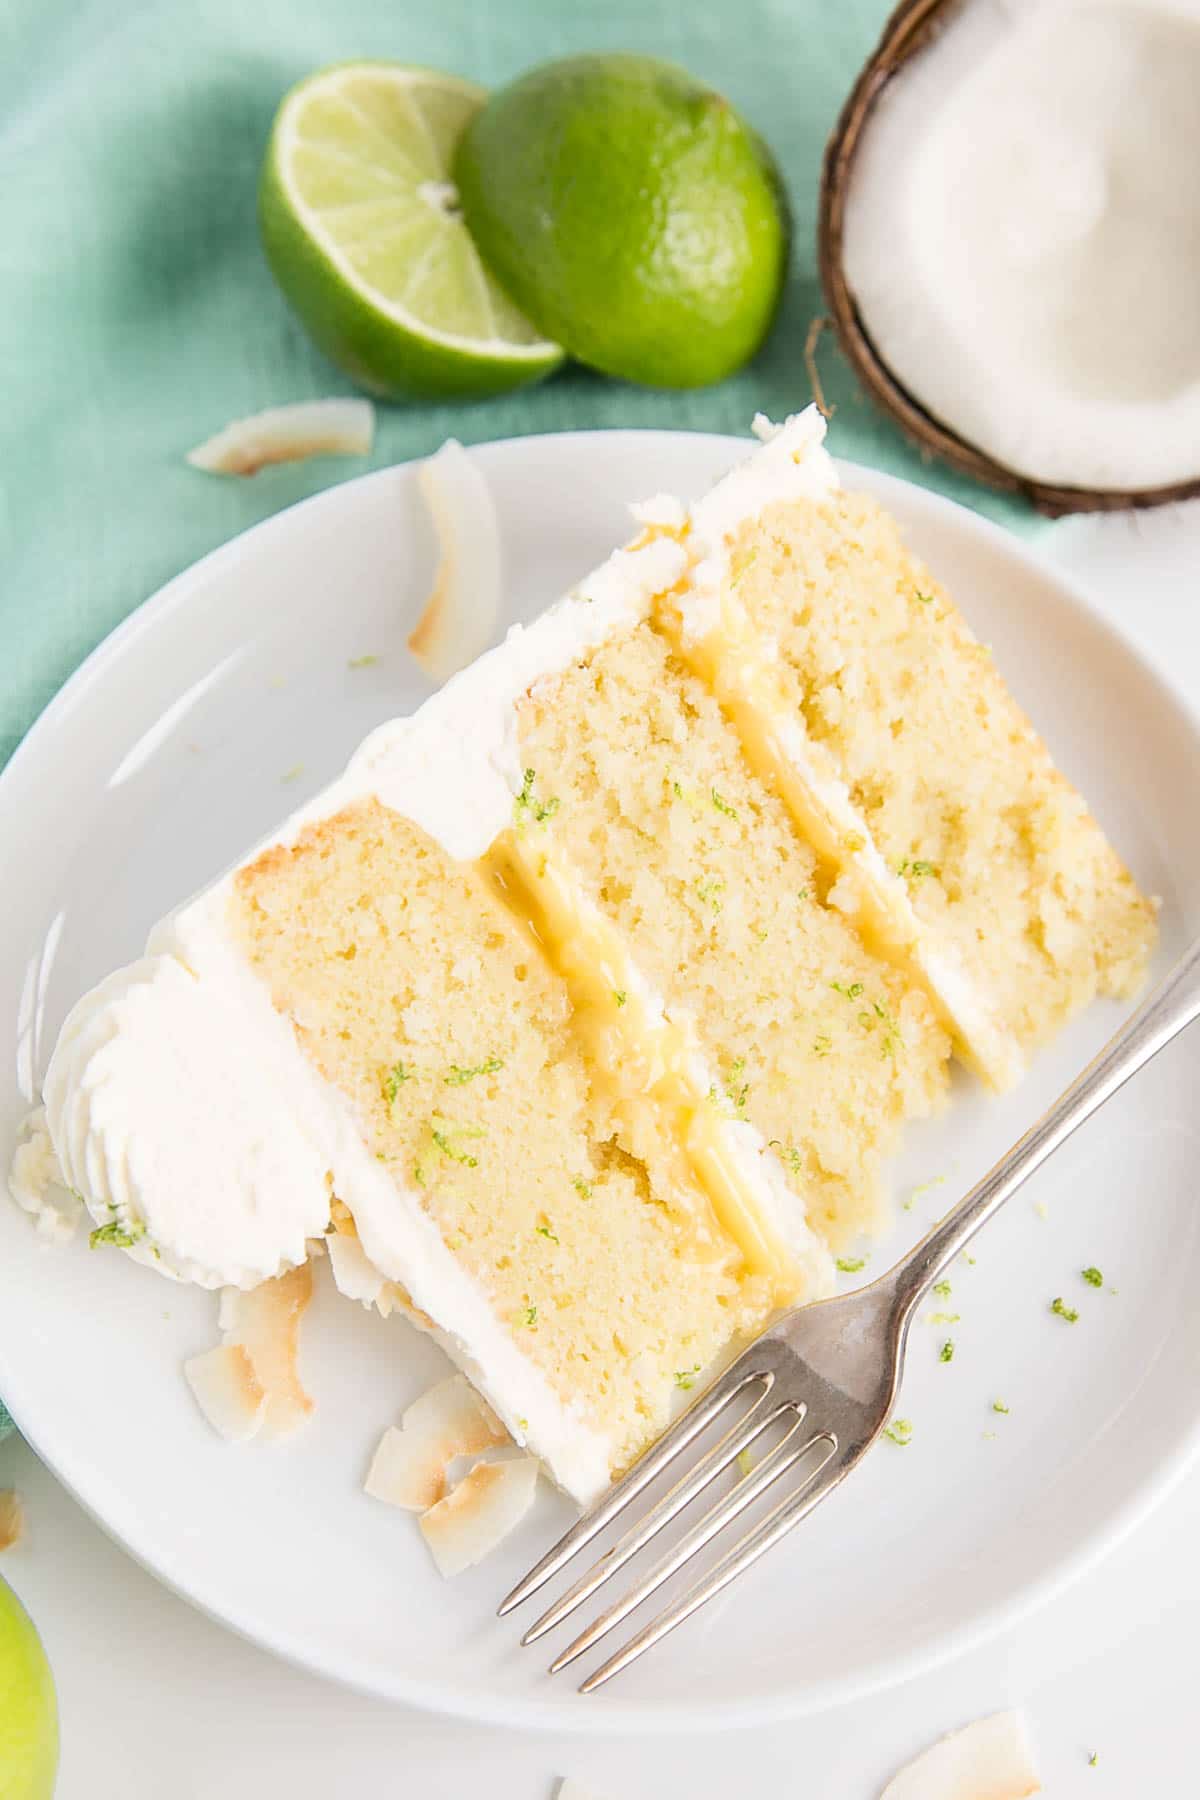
792 464
36 1183
181 1106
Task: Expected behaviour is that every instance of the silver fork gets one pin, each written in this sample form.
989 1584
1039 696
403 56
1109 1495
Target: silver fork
819 1384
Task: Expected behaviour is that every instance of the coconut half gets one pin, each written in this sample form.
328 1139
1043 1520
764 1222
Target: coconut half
459 617
478 1514
1010 246
987 1760
288 434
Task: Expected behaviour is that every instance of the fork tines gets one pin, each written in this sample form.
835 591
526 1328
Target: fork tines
751 1380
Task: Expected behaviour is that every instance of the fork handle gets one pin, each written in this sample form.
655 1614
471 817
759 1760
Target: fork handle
1162 1017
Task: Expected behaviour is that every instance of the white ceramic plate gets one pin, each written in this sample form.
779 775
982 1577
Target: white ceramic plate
170 752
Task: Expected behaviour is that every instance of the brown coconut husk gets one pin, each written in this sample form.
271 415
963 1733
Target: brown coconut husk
909 31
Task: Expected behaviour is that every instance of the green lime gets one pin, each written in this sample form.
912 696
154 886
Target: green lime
361 227
631 213
28 1712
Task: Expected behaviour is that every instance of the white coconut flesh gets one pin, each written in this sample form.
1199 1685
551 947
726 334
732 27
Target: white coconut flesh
1022 236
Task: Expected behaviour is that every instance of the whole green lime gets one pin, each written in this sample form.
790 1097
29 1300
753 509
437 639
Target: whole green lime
631 214
28 1711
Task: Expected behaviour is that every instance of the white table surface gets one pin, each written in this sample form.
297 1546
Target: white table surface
158 1703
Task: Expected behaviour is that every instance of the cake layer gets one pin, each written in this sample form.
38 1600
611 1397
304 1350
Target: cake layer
958 836
822 1045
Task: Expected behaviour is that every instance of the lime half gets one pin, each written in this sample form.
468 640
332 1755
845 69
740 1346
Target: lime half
362 230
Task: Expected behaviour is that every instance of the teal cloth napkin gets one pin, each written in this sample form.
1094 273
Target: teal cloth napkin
138 315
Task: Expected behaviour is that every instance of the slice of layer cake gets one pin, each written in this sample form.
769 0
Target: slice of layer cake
589 1004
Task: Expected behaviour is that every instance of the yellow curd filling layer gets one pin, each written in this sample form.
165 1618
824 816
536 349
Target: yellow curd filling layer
647 1060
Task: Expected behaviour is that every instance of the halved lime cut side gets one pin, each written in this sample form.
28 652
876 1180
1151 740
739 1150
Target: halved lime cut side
362 230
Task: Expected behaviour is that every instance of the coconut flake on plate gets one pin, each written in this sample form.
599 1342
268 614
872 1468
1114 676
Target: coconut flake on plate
411 1464
990 1759
354 1274
479 1513
284 434
227 1391
12 1518
459 616
36 1183
264 1321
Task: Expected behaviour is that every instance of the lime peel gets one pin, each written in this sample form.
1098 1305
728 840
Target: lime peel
361 228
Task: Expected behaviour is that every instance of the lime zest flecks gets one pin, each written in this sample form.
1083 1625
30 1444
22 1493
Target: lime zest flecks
822 1044
942 1289
946 1353
1092 1276
526 807
620 996
546 1232
459 1076
743 1462
998 1406
723 805
891 1031
363 662
444 1131
685 1378
529 1317
709 890
737 1091
789 1154
582 1186
850 1265
943 1318
121 1236
1058 1305
900 1432
851 992
915 868
925 599
923 1187
393 1080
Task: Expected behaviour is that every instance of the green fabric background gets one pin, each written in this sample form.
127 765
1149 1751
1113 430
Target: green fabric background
137 315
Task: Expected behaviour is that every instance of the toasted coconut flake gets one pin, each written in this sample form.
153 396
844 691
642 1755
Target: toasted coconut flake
411 1463
227 1391
354 1274
395 1298
479 1513
12 1518
990 1759
265 1322
288 434
461 611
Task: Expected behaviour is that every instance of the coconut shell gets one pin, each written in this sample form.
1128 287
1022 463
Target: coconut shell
909 31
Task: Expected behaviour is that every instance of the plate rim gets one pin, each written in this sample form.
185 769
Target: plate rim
615 1712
